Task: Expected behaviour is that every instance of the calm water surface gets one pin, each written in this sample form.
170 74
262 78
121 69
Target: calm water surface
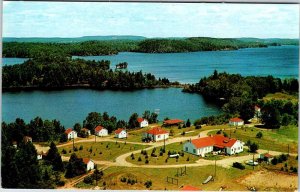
281 61
71 106
13 61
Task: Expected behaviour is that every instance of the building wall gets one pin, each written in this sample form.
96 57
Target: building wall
236 148
102 132
144 123
70 135
161 137
90 165
122 134
236 123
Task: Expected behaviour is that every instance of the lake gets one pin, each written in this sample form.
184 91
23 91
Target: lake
13 61
281 61
71 106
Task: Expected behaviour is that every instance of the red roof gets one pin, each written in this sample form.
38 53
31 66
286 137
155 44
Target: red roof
140 119
119 130
69 130
217 140
86 160
173 121
189 188
256 107
203 142
157 131
268 155
236 119
98 128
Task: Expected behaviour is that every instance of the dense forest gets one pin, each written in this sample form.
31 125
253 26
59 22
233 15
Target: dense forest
62 72
237 95
109 47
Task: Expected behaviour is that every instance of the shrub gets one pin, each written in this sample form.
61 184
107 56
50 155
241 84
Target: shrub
259 135
281 169
132 156
274 161
225 134
70 151
148 184
161 153
285 165
60 183
253 147
75 149
198 127
188 159
88 180
81 147
295 170
166 161
139 159
183 133
219 132
147 161
283 157
238 165
123 179
63 151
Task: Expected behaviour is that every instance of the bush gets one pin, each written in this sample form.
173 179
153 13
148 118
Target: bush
147 161
161 153
166 161
70 151
139 159
123 179
283 157
259 135
63 151
148 184
81 147
88 180
198 127
253 147
295 170
274 161
188 159
225 134
132 156
219 132
183 133
238 165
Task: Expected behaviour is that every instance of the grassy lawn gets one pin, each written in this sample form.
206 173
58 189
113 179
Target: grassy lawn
276 140
281 96
161 160
101 151
195 176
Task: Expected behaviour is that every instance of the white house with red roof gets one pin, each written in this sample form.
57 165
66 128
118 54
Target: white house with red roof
236 121
142 122
204 145
71 134
257 110
90 165
156 134
86 131
171 122
120 133
101 131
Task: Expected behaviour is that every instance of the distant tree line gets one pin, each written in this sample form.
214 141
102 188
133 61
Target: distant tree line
64 72
92 48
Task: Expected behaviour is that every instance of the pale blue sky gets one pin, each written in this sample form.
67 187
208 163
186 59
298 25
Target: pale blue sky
57 19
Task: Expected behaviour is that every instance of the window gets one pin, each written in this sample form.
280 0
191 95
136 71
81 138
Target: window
158 136
186 148
194 150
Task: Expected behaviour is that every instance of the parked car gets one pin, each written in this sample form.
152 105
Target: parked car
251 162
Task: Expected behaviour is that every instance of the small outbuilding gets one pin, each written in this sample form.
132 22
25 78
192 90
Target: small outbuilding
101 131
27 139
171 122
86 131
120 133
90 165
266 157
142 122
236 121
71 134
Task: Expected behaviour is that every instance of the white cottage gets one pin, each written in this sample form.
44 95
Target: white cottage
156 134
71 133
101 131
90 165
205 145
86 131
236 121
120 133
142 122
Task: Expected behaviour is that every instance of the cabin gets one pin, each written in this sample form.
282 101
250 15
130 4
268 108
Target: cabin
86 131
156 134
219 143
236 122
190 188
90 165
172 122
142 122
266 157
101 131
71 134
120 133
27 139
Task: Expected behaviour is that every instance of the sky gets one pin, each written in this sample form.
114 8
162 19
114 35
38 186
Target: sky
70 19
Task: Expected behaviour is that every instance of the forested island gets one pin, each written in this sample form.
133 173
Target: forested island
154 45
63 73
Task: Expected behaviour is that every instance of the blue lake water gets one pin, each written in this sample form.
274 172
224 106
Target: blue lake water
13 61
190 67
71 106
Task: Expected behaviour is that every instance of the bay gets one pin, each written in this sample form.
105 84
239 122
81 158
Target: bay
71 106
13 61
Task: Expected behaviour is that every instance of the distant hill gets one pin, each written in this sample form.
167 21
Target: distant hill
72 39
271 40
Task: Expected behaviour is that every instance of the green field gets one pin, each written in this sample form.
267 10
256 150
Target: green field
101 151
194 176
275 139
161 160
281 96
